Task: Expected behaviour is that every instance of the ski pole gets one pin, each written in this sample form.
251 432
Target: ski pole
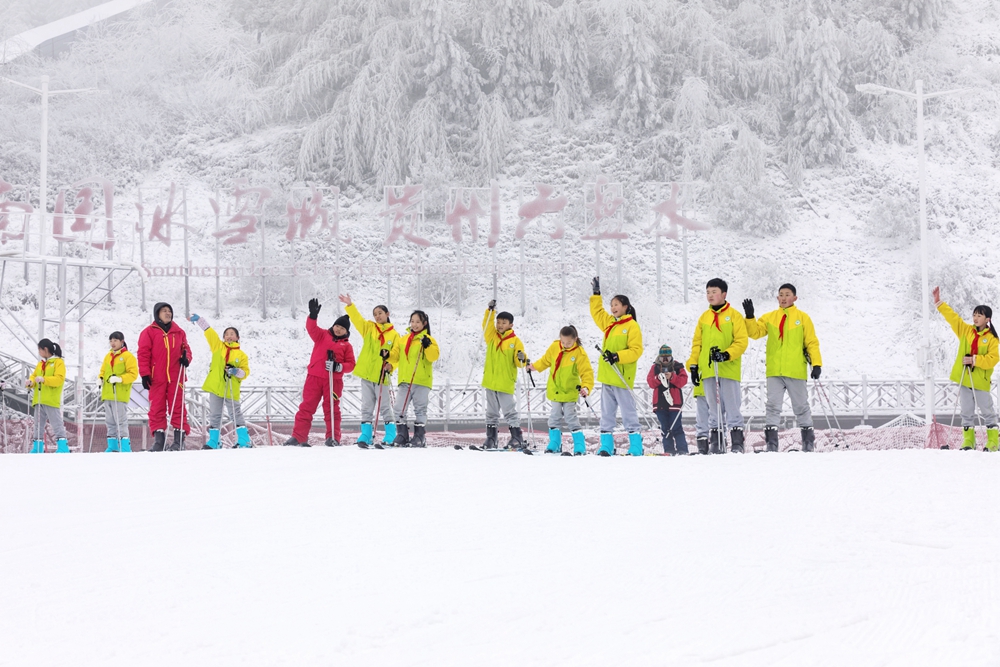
409 387
378 402
3 413
173 406
232 403
183 379
330 358
93 427
635 399
527 393
718 407
118 426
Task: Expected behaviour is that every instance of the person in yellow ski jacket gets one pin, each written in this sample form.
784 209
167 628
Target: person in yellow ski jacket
570 379
378 336
504 355
791 345
46 383
973 370
230 367
118 371
620 354
720 339
414 354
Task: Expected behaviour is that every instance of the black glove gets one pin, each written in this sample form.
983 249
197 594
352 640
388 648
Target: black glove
816 371
718 356
384 353
425 342
596 285
492 305
610 357
695 376
314 308
748 308
146 382
184 361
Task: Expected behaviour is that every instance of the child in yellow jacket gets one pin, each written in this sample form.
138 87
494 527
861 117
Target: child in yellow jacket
378 335
792 345
504 355
414 354
46 383
230 367
571 378
118 371
973 370
620 354
720 339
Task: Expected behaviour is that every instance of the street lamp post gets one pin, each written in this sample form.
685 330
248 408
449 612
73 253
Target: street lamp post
919 96
43 185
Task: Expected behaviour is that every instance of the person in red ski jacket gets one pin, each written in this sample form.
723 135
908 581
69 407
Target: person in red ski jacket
332 357
163 356
667 377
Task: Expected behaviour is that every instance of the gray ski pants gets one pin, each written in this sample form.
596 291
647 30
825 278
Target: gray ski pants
48 414
216 404
419 398
370 400
497 402
563 416
797 394
729 394
972 398
115 416
611 399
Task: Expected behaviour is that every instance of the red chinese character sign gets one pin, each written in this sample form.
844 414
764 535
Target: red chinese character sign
604 215
543 204
249 203
163 216
468 204
92 207
8 210
667 208
312 209
670 209
404 207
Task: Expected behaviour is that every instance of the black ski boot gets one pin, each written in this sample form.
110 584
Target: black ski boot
330 442
291 442
808 439
159 439
715 440
402 434
491 437
516 439
419 436
178 443
703 445
736 441
771 438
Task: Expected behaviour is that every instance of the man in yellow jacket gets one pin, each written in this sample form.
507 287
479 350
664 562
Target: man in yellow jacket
504 355
230 367
620 354
791 345
373 368
720 339
119 370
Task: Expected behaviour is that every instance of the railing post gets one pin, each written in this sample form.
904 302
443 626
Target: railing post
864 399
447 404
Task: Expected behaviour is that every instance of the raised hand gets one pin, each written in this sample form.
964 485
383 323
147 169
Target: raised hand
748 308
314 308
346 299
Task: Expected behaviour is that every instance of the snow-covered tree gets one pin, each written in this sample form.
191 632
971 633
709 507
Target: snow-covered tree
570 56
821 124
631 53
514 36
922 14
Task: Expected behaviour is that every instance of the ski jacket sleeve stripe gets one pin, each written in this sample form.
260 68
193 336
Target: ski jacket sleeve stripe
363 326
585 370
695 345
489 326
740 340
755 329
958 325
811 341
602 318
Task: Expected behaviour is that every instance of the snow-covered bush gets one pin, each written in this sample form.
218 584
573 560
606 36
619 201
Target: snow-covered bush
894 215
757 209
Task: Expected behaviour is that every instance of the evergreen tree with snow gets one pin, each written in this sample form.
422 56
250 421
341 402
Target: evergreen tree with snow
821 121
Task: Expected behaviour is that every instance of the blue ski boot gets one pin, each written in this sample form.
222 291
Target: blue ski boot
213 439
635 444
607 447
243 437
579 444
61 446
366 434
112 445
126 444
555 441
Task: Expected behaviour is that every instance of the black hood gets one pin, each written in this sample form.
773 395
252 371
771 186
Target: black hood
156 315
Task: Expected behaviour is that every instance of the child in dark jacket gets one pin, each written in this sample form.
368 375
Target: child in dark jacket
667 377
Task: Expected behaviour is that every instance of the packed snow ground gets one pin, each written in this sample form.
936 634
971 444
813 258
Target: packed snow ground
443 557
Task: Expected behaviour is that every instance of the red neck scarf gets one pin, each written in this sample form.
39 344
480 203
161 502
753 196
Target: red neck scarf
561 353
114 358
230 349
624 320
717 313
510 334
45 361
382 333
781 326
409 340
975 343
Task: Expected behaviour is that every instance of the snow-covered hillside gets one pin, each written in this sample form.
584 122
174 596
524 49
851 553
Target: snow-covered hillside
443 557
